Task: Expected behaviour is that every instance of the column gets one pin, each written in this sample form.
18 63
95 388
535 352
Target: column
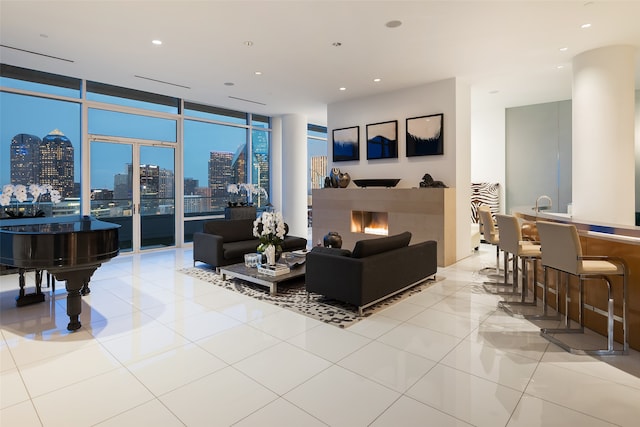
294 173
603 150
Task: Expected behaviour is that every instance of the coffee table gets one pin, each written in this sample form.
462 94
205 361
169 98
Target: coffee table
250 274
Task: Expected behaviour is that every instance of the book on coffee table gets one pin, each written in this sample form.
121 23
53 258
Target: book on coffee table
273 270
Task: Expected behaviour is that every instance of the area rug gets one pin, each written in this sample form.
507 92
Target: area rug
292 296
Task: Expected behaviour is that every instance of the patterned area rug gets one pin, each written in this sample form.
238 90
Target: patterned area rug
292 296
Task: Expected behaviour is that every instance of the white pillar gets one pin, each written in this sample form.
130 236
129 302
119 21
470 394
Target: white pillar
603 165
294 173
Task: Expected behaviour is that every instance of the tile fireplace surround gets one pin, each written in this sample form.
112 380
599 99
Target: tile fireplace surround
428 213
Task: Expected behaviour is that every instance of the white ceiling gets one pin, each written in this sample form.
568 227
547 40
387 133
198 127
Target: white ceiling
512 47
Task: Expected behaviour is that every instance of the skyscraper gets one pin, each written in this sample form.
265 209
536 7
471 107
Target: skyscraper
220 175
25 159
56 163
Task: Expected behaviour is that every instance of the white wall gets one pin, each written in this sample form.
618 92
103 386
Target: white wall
450 97
488 148
422 100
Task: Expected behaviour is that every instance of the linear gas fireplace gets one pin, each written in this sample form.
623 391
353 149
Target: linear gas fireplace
370 222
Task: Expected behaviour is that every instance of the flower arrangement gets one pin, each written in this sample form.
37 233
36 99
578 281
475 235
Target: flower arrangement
248 189
269 227
20 192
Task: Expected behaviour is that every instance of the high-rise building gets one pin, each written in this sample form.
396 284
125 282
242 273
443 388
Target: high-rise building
56 163
25 159
261 166
220 175
318 171
238 165
190 185
166 184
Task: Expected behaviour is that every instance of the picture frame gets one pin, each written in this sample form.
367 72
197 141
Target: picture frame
346 144
382 140
425 135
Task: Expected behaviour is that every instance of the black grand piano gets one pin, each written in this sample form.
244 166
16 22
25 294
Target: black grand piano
71 248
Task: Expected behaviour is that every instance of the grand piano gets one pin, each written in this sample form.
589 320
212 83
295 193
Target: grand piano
70 248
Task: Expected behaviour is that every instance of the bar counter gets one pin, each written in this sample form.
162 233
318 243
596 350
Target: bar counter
598 238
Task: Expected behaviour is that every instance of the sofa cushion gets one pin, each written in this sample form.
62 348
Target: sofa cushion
233 250
331 251
234 230
365 248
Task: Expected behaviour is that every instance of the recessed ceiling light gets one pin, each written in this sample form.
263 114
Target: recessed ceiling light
248 43
258 73
156 42
564 49
229 84
343 88
560 67
585 26
377 80
393 24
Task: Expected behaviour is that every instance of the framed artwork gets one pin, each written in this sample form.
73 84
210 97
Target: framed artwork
424 136
382 140
346 144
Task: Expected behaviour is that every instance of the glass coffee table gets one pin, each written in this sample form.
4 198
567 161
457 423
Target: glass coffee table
251 274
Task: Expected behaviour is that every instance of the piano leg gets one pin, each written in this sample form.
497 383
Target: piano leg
75 281
25 299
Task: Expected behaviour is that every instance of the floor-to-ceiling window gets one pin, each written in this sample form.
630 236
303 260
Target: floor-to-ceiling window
145 152
316 161
40 143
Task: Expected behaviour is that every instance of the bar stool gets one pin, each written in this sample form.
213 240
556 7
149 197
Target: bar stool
511 242
561 250
489 232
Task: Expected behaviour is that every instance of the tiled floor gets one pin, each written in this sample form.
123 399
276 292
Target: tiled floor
159 348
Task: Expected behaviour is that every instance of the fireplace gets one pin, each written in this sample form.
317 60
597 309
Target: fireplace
370 222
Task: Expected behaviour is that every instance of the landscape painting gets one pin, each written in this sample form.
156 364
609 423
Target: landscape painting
382 140
346 144
424 136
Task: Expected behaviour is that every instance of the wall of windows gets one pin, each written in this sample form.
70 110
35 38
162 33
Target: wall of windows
40 145
316 161
218 147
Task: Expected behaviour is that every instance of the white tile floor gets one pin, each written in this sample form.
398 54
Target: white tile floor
159 348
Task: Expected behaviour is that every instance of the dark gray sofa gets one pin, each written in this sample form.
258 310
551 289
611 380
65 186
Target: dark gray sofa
376 269
224 242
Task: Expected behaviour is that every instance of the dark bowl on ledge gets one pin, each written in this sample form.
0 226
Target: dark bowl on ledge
382 182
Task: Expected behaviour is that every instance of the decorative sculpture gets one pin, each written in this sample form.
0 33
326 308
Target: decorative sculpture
332 240
428 182
338 179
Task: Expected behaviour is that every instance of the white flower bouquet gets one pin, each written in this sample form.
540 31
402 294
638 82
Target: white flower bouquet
21 192
270 229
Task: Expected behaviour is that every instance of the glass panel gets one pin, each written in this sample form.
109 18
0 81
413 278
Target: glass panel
112 123
38 81
131 98
157 197
40 144
214 157
317 163
214 113
259 121
260 163
112 187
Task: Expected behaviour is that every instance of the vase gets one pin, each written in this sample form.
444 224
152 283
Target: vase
272 255
332 240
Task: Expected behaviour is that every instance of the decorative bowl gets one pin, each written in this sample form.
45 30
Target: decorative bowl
379 182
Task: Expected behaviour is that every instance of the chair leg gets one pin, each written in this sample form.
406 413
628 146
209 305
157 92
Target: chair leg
507 305
547 333
505 280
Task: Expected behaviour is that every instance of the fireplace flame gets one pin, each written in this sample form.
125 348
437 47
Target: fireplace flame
380 231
